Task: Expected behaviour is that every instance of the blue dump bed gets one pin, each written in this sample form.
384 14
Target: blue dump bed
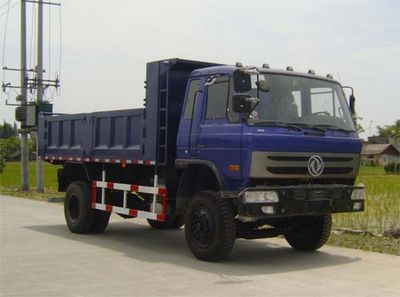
114 135
144 135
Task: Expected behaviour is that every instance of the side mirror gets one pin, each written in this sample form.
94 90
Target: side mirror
352 101
242 103
241 81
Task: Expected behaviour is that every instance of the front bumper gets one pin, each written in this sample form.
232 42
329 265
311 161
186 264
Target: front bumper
303 200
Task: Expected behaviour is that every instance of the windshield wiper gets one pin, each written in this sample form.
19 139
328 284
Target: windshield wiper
307 126
334 128
278 124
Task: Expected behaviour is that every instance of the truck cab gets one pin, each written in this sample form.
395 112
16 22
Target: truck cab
281 144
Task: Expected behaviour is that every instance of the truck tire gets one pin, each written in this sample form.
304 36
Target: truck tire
78 212
310 233
170 223
100 222
210 228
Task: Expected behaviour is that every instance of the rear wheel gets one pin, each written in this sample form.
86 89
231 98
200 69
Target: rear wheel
100 222
310 233
78 212
210 228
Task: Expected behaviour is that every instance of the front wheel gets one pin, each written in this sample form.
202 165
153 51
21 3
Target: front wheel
309 233
210 228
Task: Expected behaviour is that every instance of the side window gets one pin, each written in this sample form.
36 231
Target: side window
193 87
217 99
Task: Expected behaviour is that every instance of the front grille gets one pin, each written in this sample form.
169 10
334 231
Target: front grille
295 165
304 170
289 158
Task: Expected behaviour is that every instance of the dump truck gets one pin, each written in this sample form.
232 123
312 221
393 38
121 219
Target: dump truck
228 151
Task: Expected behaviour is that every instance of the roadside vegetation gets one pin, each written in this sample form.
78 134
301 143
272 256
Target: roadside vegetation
10 181
377 228
382 205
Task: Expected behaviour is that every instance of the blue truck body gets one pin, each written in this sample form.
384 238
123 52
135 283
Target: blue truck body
255 170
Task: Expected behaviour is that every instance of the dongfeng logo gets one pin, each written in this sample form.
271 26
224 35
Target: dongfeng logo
315 165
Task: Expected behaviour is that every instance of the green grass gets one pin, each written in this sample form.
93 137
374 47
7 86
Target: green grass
10 181
378 244
382 204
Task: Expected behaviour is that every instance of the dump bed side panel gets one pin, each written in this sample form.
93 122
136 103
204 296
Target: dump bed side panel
114 135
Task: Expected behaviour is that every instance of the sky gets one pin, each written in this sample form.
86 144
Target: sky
105 46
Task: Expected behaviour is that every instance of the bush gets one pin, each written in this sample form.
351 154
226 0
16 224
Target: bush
9 146
2 162
392 168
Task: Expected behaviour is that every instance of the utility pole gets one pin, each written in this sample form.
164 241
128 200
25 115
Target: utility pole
24 93
26 112
39 75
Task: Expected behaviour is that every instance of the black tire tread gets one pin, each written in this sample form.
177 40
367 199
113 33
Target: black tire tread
100 222
226 242
82 191
314 241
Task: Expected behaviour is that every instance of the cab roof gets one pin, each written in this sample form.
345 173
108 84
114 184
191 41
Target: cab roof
230 69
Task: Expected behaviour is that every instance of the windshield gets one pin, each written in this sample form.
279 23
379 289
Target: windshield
300 100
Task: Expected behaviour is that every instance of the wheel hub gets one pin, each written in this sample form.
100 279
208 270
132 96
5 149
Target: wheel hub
202 227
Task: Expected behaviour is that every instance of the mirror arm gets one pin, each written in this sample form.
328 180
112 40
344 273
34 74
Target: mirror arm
252 109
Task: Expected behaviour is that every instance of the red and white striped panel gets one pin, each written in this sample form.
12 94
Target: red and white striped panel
129 211
98 160
130 188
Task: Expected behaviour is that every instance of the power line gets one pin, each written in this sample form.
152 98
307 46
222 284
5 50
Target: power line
6 3
5 40
32 51
10 8
5 34
49 48
60 53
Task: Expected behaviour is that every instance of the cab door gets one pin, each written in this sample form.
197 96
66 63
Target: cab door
219 138
190 119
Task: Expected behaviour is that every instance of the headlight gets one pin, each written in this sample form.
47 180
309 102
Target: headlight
358 193
260 197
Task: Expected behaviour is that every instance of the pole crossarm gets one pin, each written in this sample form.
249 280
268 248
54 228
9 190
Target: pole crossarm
48 3
19 69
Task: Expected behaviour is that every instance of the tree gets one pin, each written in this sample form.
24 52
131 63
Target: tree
8 147
391 132
7 130
359 128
